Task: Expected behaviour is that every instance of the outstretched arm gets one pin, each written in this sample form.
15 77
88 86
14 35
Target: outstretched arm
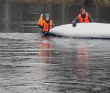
40 22
76 20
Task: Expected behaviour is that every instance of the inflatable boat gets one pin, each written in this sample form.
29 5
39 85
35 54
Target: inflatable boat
83 30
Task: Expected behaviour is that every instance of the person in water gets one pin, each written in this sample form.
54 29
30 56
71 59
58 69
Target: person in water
46 24
82 17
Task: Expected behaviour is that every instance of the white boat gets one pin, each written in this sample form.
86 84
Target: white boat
86 30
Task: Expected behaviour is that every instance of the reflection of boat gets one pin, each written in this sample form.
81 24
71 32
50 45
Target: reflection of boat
45 50
86 30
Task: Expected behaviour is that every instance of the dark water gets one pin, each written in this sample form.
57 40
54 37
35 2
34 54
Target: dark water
30 63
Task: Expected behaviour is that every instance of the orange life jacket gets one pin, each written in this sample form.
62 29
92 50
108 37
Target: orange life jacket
86 19
45 26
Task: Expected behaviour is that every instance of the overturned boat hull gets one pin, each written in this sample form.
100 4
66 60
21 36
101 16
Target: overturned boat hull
86 30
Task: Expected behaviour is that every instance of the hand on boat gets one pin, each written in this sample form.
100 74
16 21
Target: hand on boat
74 24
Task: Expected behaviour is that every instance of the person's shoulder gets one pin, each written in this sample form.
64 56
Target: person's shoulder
87 13
44 21
50 19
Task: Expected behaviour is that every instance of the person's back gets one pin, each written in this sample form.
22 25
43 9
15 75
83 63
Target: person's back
83 17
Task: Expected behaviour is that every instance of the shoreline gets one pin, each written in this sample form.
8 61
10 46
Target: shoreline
74 2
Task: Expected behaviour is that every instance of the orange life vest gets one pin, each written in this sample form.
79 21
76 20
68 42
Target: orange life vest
86 19
45 26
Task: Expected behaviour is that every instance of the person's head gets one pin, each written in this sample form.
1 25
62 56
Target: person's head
47 17
82 11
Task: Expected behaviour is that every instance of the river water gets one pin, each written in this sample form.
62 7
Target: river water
31 63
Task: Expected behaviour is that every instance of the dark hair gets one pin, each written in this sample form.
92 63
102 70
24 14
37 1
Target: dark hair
81 10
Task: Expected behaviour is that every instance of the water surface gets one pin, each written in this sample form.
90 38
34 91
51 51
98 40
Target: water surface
31 63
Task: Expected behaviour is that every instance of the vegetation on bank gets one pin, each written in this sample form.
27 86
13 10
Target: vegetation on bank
88 2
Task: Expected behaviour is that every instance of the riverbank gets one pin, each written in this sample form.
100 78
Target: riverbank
78 2
43 1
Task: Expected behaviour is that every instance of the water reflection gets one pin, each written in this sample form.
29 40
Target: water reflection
45 50
82 63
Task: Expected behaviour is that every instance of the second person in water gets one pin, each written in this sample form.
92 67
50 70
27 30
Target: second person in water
82 17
